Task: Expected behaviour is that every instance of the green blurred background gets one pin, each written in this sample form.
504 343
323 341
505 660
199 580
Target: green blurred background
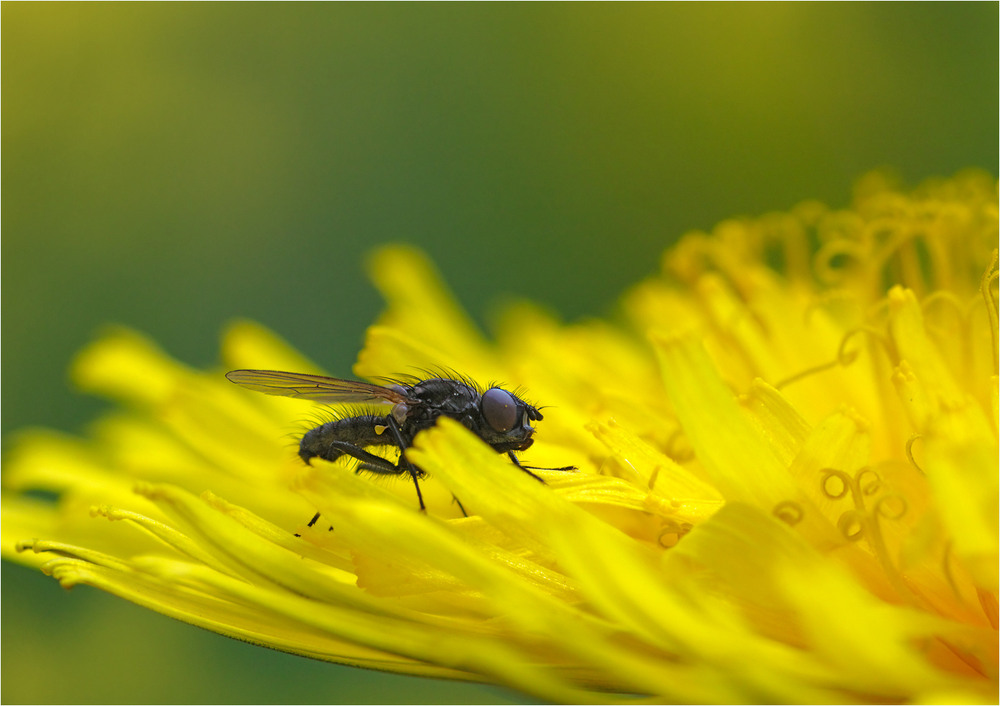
173 166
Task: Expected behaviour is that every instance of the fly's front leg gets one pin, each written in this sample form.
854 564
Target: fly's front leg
528 469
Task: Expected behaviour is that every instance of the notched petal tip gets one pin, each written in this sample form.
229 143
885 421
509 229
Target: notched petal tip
26 545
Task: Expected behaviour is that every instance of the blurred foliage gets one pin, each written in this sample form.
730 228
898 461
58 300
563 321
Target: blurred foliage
174 166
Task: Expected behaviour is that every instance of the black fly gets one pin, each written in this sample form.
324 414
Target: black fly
498 417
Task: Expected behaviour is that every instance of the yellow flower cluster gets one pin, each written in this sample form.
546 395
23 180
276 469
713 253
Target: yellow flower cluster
787 486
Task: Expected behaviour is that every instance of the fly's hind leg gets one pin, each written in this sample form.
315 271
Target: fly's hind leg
377 464
312 522
369 462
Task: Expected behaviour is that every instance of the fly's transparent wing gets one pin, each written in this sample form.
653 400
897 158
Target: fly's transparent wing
317 388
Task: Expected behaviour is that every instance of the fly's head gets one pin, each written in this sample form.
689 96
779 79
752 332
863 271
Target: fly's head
506 420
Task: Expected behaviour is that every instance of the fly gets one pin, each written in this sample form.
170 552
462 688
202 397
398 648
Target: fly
500 418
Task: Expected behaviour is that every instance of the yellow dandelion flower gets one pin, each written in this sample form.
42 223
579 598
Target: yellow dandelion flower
786 487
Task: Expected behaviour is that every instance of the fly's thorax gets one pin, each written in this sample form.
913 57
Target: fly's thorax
437 397
450 397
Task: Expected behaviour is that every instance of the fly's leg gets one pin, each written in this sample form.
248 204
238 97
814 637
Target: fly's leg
312 522
529 469
403 463
526 469
369 462
547 468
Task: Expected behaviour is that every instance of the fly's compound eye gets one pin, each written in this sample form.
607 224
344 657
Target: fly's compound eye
499 409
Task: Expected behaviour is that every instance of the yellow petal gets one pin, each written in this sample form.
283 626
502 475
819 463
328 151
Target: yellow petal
735 458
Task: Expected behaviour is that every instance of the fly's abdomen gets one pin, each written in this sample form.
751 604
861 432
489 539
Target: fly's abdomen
325 441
